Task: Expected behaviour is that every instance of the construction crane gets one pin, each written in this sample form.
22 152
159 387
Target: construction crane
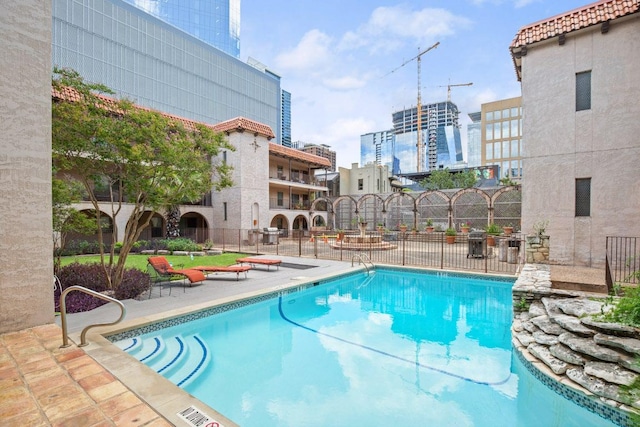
419 145
449 86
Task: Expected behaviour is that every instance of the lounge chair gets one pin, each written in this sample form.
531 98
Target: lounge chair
161 271
208 269
263 261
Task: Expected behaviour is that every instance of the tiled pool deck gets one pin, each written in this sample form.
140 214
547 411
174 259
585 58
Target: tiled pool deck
42 384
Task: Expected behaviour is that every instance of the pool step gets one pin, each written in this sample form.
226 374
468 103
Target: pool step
179 359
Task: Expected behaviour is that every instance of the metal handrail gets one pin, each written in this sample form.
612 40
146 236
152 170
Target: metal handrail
359 256
63 314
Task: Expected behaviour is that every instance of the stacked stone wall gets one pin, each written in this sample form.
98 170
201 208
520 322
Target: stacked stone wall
560 334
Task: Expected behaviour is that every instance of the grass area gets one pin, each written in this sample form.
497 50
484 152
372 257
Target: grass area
179 261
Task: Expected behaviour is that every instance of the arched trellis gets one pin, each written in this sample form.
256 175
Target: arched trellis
328 203
437 204
463 207
434 205
345 214
372 208
509 215
401 209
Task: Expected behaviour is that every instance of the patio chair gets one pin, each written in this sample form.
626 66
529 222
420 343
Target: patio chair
161 271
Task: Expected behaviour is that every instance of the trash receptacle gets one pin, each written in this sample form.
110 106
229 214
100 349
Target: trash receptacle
270 235
477 244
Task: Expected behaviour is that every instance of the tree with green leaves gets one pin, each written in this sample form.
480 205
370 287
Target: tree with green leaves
443 179
130 155
65 218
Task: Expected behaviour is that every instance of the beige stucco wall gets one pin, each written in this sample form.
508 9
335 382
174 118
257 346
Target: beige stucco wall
603 143
26 276
248 199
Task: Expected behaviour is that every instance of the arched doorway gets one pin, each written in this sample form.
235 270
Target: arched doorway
282 223
78 243
194 226
300 226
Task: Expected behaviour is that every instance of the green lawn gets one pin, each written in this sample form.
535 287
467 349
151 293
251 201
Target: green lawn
178 261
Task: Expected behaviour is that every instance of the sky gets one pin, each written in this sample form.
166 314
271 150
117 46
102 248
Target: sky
342 60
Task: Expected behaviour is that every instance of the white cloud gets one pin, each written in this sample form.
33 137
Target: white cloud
344 83
390 27
312 52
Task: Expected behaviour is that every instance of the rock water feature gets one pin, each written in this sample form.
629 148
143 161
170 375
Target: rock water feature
363 241
559 334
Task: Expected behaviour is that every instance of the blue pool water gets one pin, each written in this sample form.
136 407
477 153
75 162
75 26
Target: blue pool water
389 348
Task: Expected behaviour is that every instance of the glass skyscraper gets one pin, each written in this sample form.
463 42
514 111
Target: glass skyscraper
158 66
216 22
440 136
286 119
379 148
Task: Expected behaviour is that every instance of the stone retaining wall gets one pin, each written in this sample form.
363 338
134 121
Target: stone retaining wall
556 331
537 249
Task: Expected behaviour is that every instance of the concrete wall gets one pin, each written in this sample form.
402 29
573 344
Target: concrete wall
562 144
26 246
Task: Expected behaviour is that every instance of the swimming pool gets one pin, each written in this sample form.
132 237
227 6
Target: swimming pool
396 346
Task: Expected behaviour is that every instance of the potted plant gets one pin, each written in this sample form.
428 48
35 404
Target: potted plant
340 232
492 230
465 226
380 227
508 230
403 227
450 234
429 225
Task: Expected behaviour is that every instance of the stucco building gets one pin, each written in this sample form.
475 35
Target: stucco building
580 99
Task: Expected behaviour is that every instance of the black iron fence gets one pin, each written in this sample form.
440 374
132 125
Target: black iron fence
622 261
466 251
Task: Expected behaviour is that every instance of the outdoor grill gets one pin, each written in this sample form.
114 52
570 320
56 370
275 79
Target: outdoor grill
270 235
477 244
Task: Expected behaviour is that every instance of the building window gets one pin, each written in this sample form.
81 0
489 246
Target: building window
280 198
583 91
224 210
224 157
583 197
360 184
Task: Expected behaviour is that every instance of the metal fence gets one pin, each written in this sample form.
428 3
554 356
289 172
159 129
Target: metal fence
622 260
470 251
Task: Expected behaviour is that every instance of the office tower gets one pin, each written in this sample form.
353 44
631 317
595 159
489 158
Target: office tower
502 136
159 66
440 134
216 22
286 119
379 148
474 140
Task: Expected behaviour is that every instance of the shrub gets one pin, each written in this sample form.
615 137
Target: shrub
134 283
92 276
182 244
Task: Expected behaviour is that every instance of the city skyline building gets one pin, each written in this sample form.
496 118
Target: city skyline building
474 140
501 136
216 22
321 150
440 134
379 148
159 66
286 118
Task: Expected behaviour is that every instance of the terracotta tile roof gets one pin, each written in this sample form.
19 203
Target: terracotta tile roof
238 124
292 153
241 124
577 19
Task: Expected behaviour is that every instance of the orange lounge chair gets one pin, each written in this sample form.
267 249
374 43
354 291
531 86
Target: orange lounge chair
208 269
262 261
164 271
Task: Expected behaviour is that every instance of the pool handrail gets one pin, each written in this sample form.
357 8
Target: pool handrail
362 260
83 334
